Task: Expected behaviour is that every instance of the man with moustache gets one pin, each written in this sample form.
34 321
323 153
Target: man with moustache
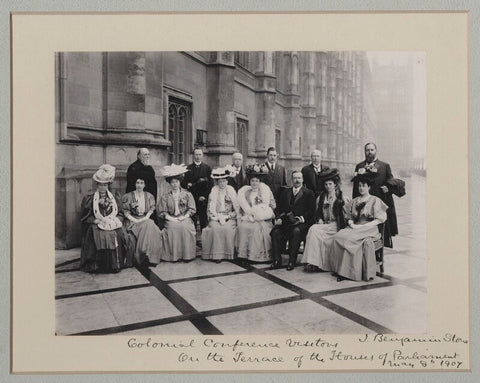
293 216
379 188
240 178
198 181
311 178
277 175
141 169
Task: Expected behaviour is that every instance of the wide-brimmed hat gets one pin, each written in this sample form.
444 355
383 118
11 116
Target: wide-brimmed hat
173 170
329 174
105 174
220 173
256 170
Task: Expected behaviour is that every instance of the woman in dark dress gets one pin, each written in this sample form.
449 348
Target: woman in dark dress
103 240
330 216
143 235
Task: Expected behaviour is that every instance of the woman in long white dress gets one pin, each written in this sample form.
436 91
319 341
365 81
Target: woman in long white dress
257 206
330 217
218 238
353 252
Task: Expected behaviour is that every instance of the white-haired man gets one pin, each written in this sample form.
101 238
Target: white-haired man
240 178
311 178
141 169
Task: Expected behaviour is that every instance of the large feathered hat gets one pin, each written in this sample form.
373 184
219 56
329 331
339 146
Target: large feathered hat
105 174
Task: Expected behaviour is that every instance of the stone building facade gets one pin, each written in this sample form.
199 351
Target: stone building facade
110 104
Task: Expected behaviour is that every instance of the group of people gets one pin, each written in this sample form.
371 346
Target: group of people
244 212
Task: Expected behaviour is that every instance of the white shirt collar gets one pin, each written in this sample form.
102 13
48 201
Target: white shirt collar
197 163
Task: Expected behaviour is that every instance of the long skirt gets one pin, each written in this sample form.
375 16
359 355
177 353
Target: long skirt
145 241
318 244
179 241
353 253
253 240
103 251
218 241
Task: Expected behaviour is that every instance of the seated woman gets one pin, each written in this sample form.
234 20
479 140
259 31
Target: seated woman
143 236
257 203
330 217
353 252
219 236
103 240
176 208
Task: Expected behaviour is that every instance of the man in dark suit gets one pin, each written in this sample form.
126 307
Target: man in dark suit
240 177
198 181
277 175
379 189
311 178
293 217
141 169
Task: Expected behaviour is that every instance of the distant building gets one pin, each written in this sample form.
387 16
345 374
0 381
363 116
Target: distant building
110 104
392 92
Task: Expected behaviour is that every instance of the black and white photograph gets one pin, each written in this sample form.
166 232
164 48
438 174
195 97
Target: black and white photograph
240 192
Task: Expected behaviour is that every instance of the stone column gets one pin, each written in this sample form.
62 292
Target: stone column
340 110
322 104
264 103
332 110
308 104
220 99
293 124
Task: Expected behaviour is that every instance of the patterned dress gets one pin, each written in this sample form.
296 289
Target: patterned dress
102 250
353 252
144 239
218 238
178 237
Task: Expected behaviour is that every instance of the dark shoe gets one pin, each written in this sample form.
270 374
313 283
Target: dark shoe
340 278
275 265
290 266
218 261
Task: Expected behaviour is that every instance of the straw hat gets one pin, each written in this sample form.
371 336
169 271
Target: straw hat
174 171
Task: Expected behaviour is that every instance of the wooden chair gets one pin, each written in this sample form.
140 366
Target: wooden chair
378 245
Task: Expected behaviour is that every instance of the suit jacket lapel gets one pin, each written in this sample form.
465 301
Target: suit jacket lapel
299 195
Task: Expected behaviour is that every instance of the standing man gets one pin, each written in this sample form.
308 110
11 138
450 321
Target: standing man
293 217
311 172
379 188
198 182
141 169
277 175
240 177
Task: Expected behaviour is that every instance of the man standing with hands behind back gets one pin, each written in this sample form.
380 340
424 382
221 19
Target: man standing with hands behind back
311 177
277 175
379 188
198 182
